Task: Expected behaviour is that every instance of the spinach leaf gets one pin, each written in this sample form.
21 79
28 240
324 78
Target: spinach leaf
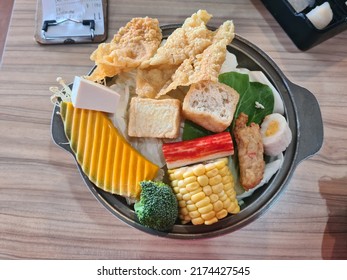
192 130
250 93
239 82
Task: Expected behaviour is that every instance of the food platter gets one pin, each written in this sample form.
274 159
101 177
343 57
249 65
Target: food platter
304 118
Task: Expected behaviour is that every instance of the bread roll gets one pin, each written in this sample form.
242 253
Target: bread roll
211 105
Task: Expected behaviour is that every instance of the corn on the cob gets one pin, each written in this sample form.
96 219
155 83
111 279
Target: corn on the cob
205 192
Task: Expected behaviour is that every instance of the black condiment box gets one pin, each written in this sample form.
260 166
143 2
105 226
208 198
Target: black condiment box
299 28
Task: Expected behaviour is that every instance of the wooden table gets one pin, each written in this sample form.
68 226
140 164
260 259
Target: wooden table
46 211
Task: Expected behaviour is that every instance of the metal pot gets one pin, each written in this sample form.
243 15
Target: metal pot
305 121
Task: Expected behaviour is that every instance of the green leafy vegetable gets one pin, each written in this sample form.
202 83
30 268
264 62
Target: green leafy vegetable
192 130
256 99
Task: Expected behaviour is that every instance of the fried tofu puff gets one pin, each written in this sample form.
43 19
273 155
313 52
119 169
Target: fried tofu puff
250 152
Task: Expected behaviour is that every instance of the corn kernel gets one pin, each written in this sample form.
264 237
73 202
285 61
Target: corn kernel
179 196
172 177
183 191
225 160
237 209
209 166
217 188
170 171
185 219
191 207
176 189
182 203
218 205
231 194
226 179
211 173
224 171
203 202
212 221
215 180
214 197
199 170
194 214
208 216
186 196
181 184
189 180
233 208
220 163
226 203
228 186
207 190
205 209
188 173
197 197
190 202
192 186
229 190
203 180
221 214
197 221
174 183
222 196
195 191
179 173
184 211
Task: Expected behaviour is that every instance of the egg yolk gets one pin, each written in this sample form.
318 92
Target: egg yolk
272 128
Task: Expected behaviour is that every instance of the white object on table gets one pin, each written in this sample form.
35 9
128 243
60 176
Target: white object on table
321 15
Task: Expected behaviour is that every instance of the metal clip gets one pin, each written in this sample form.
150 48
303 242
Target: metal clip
47 23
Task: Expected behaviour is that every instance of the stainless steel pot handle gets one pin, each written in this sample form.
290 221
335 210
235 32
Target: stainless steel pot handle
310 123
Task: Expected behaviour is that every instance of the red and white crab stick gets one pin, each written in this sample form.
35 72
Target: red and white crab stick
201 149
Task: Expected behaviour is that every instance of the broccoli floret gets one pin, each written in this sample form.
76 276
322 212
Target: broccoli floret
157 207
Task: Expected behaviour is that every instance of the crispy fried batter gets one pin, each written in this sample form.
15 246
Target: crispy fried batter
191 54
250 152
191 39
151 80
204 66
133 44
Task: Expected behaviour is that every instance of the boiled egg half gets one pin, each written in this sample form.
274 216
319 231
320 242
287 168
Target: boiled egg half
275 133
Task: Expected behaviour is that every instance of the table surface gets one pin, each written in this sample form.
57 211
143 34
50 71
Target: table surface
47 212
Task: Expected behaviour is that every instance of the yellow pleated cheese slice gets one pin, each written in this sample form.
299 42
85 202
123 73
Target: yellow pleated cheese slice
103 153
